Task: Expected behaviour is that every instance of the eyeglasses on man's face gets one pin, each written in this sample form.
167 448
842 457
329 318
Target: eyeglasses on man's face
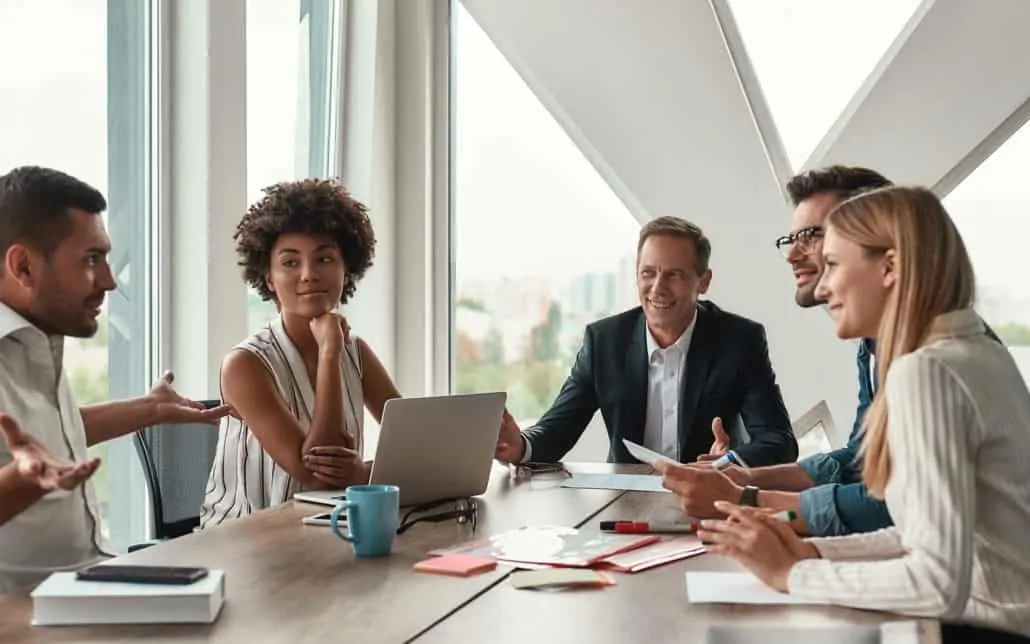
805 240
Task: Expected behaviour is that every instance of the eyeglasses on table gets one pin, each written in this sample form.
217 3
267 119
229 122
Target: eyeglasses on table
464 510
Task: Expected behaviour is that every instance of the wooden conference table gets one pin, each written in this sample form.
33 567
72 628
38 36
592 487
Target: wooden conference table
289 582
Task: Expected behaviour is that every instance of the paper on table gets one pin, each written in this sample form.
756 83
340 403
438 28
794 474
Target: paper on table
736 588
901 632
630 482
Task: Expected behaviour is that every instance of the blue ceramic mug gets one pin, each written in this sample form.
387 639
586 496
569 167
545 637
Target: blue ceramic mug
372 515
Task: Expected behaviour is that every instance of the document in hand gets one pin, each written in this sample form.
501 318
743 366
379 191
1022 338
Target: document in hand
551 546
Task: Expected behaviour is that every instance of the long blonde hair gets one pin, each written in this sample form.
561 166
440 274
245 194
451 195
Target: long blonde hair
933 276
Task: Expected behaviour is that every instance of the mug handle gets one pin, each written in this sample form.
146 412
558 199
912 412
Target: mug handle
334 520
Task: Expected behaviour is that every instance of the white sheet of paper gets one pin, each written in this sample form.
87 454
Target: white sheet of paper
736 588
645 455
630 482
901 632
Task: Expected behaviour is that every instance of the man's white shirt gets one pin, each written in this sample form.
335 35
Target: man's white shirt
665 371
62 530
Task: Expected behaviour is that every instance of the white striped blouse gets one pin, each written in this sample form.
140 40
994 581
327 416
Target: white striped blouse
244 478
959 492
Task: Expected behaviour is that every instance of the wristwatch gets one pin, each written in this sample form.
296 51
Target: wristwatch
749 496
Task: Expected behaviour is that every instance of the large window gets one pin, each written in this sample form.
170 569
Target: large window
292 99
811 55
76 87
542 244
989 208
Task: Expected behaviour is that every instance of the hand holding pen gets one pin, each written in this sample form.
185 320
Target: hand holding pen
762 542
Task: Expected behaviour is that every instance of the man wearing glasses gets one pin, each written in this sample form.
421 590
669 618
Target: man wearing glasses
824 490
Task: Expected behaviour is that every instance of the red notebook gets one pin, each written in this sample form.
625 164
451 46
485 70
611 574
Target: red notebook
457 565
667 550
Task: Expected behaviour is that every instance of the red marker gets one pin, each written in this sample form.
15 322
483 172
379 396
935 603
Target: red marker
643 527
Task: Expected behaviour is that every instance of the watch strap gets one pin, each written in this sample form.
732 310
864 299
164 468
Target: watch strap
749 497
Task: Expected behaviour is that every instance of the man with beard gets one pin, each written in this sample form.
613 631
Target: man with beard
54 276
825 490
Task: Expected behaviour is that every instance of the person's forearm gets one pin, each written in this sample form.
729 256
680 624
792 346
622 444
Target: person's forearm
327 421
104 421
788 477
785 501
16 494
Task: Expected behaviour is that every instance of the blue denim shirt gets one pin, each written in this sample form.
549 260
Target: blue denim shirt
839 502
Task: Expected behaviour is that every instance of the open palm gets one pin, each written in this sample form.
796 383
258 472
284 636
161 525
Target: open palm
38 466
172 408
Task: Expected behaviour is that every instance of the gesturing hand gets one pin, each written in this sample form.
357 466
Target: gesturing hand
171 408
720 445
698 488
335 465
35 463
766 546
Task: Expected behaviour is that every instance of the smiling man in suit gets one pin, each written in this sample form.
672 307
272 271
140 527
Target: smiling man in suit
667 373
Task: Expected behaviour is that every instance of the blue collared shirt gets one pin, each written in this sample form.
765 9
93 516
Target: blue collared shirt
839 502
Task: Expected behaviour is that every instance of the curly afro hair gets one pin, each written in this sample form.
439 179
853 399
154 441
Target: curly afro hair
309 206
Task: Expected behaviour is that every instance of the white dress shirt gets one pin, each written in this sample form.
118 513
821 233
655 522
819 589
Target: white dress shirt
958 491
61 531
665 369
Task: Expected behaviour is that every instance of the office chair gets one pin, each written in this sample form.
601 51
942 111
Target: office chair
811 442
176 460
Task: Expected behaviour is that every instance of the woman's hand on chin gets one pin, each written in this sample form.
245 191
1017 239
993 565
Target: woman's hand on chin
331 331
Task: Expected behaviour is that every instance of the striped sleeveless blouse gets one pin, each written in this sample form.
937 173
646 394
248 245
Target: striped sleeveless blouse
244 478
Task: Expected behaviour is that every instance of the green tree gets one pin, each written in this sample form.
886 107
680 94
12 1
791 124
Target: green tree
1013 334
488 371
480 377
89 384
542 380
545 338
470 303
493 347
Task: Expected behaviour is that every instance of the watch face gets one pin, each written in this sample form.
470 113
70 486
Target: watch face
750 496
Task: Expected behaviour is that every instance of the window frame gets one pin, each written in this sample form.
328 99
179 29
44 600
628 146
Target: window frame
134 189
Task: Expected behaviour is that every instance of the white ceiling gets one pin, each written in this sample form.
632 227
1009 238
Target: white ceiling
663 99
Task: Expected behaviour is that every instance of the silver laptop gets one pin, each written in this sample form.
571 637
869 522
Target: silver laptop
438 447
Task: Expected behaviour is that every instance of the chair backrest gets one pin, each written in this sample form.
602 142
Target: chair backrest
176 461
810 441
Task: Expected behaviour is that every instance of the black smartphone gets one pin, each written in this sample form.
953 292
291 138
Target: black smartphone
210 404
174 575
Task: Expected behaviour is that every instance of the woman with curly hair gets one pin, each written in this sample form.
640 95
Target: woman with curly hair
298 385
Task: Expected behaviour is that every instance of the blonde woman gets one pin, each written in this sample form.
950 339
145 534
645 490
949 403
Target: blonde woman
945 443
